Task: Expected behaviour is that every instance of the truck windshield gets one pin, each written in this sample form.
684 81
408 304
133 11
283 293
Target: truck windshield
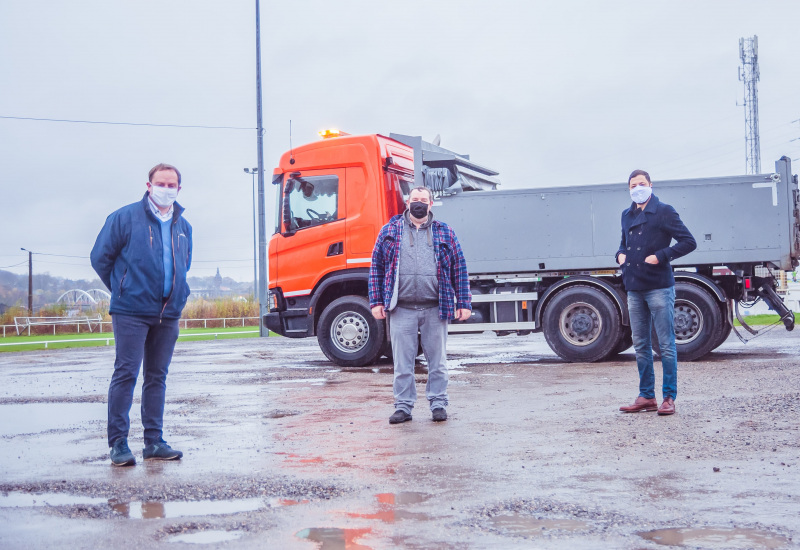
310 201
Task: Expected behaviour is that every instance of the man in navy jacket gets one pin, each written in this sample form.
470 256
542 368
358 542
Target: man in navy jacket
142 255
648 228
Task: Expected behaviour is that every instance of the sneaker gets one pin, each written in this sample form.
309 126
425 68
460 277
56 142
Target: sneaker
121 454
399 416
160 451
439 414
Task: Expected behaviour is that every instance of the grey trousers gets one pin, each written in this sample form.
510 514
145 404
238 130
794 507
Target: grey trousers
403 326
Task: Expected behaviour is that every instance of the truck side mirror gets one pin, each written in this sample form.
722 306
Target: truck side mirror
287 209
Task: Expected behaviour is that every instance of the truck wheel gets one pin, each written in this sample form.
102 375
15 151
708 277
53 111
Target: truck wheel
348 334
581 324
726 326
723 334
698 323
386 350
625 341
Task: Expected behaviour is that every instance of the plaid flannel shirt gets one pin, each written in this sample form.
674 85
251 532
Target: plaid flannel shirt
451 268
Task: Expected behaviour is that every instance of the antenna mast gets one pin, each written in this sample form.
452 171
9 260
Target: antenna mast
749 74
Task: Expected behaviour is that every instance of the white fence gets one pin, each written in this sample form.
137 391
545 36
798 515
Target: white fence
23 323
110 339
96 325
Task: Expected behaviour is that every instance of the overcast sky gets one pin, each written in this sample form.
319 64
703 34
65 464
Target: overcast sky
547 93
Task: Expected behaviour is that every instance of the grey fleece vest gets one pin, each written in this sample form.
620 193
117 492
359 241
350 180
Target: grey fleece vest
417 284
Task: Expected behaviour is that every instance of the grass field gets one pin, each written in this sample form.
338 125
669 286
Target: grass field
766 319
27 343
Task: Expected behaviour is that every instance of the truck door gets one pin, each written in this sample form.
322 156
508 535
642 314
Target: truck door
363 218
311 242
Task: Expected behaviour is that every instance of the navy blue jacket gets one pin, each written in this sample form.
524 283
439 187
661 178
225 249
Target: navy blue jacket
128 257
650 231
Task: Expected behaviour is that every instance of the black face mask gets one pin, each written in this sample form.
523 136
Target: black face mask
418 209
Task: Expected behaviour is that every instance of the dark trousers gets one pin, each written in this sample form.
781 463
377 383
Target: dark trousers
147 341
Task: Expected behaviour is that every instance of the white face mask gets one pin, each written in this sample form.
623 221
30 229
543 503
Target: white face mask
163 196
641 193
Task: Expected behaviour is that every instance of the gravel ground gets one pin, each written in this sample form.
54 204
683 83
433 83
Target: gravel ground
285 450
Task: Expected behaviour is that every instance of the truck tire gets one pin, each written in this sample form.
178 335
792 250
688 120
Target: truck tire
348 334
625 341
698 323
726 326
581 324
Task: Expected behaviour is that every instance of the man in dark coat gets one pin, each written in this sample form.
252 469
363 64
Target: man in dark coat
142 255
648 228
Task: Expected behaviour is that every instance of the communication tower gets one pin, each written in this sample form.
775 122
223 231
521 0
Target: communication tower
749 74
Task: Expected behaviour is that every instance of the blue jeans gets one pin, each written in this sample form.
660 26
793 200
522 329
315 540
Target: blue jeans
404 323
648 309
147 341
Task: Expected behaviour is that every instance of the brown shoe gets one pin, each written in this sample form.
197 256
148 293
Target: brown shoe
642 404
667 407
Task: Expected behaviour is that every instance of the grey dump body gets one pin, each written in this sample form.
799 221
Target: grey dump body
739 219
749 219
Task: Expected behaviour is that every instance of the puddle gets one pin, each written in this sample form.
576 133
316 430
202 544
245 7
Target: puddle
527 526
299 458
26 500
25 418
206 537
333 538
388 504
403 498
312 381
719 537
159 510
276 502
389 369
278 413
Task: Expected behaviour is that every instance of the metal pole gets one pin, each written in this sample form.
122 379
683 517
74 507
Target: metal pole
254 171
30 281
262 228
256 293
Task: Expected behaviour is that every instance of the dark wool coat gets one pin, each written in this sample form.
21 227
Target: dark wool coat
650 231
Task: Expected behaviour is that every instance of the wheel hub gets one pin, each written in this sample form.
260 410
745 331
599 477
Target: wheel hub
349 332
581 324
688 321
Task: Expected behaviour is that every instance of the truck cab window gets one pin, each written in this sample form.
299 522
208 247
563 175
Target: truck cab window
310 201
398 189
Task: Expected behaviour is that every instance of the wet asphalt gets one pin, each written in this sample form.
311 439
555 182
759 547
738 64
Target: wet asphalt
285 450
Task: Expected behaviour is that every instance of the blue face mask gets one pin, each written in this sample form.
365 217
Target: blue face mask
641 193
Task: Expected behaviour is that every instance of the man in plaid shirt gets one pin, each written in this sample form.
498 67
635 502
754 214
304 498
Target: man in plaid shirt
418 278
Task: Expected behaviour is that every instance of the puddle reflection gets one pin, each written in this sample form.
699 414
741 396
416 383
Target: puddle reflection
388 504
206 537
333 538
25 500
529 526
160 510
709 537
24 418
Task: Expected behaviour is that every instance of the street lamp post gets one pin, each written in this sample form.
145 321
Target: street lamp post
253 172
30 280
262 226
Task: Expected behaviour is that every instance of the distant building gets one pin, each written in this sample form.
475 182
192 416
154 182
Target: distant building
216 290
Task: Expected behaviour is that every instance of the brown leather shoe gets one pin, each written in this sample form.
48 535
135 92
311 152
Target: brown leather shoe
667 407
642 404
